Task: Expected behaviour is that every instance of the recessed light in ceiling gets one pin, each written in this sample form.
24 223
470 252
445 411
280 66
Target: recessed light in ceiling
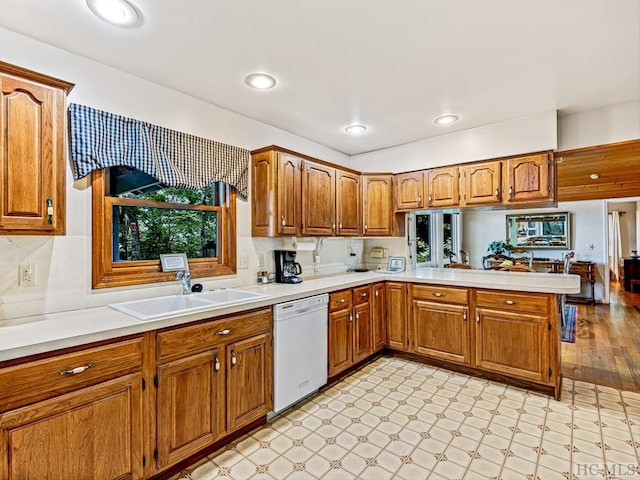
261 81
446 119
116 12
355 129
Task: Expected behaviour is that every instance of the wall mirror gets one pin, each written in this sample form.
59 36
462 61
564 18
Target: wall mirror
539 230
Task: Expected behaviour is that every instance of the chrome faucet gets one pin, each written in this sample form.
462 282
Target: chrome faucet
185 277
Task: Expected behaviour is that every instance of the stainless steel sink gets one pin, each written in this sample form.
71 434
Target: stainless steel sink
153 308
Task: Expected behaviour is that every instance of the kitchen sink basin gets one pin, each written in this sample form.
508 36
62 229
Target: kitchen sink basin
229 295
153 308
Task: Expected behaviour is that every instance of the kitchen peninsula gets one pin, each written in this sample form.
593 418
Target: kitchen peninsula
125 373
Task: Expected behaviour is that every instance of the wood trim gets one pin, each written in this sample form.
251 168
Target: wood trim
105 273
302 156
33 76
598 148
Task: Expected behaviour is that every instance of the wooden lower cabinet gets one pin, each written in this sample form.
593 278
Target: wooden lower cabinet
249 380
441 331
397 316
362 332
379 316
92 433
191 405
340 340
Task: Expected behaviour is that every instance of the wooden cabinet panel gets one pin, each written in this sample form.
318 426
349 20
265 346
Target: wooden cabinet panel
443 188
362 294
441 331
263 191
340 340
377 202
397 318
41 379
318 199
191 405
289 195
513 344
185 340
362 332
435 293
481 183
517 302
348 206
95 432
529 179
409 190
340 300
379 316
32 152
249 380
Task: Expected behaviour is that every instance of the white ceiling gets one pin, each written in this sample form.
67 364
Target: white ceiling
392 65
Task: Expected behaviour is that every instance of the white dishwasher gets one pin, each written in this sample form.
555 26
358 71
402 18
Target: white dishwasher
299 350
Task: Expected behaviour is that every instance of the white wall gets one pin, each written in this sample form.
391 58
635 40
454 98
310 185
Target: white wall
614 123
520 135
64 263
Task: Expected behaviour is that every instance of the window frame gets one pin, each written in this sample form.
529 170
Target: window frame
106 273
436 234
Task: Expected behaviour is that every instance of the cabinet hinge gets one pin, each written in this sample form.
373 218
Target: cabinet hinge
155 453
550 372
271 342
549 326
144 460
155 381
144 384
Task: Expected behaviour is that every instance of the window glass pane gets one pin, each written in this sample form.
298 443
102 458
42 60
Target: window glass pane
423 238
143 233
126 182
447 236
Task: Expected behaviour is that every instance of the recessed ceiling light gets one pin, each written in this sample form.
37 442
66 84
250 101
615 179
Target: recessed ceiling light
355 129
261 81
116 12
594 176
446 119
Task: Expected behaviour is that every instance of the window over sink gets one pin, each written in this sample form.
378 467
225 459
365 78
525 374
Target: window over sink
137 218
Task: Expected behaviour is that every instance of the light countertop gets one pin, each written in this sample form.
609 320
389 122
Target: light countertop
44 333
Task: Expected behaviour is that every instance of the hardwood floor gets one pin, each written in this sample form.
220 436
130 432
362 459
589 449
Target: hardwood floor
607 348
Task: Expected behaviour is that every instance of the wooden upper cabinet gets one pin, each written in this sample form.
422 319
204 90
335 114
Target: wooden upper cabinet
32 152
289 197
275 194
318 199
443 187
529 179
377 205
481 183
348 205
409 190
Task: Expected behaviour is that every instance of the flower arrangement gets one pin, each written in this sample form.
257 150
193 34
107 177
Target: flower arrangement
498 247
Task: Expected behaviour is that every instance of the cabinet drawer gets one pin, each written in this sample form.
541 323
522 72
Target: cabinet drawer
183 341
517 302
361 294
339 300
33 381
441 294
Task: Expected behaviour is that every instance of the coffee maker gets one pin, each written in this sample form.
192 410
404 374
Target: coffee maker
287 269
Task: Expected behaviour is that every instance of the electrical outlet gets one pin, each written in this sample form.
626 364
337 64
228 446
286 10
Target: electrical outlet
243 261
28 275
260 260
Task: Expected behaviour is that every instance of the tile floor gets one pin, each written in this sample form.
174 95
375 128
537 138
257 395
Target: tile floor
404 420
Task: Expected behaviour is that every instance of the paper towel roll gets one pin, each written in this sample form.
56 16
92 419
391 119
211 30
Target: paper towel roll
304 244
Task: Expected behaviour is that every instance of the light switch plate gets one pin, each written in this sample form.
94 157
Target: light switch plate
243 261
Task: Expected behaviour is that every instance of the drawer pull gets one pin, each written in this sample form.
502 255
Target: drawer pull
75 371
216 364
340 300
362 295
510 302
234 359
436 294
226 331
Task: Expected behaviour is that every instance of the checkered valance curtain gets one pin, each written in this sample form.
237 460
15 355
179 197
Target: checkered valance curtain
101 139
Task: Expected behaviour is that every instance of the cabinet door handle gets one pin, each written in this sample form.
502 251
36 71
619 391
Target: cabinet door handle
478 318
366 227
350 317
436 294
226 331
333 226
283 221
464 315
376 293
77 370
234 359
497 192
340 225
216 364
511 190
510 302
49 211
419 200
429 199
